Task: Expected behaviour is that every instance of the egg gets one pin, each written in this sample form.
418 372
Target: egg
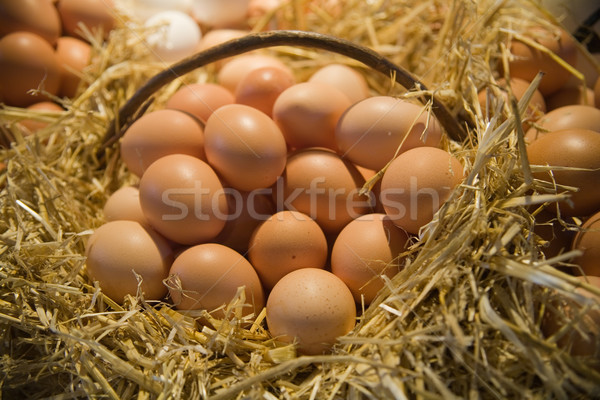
124 256
575 116
144 9
527 61
588 241
416 184
124 204
311 307
370 132
98 16
247 210
322 185
32 125
27 62
571 95
557 238
160 133
200 99
207 276
346 79
261 87
73 56
174 35
597 93
308 112
35 16
183 199
575 148
365 250
287 241
244 146
220 13
215 37
232 72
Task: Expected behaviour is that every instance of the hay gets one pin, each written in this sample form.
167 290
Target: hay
462 320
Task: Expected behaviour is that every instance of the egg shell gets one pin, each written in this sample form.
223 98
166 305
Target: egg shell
322 185
578 148
209 276
174 35
527 61
583 339
370 132
232 72
219 13
364 251
124 204
144 9
345 78
571 95
597 93
97 15
285 242
261 87
183 199
200 99
27 62
244 146
557 239
311 307
247 210
35 16
417 183
588 241
214 37
119 250
307 114
32 125
575 116
73 56
160 133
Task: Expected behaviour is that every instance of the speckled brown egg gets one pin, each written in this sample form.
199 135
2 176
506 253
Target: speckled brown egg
124 256
311 307
308 112
160 133
124 204
568 117
345 78
587 240
73 56
575 148
370 132
207 276
35 16
285 242
200 99
367 249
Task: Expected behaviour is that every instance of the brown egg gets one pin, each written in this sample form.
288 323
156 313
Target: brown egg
96 15
570 95
35 16
247 210
528 61
597 93
27 62
160 133
588 241
207 276
575 148
73 56
124 204
231 74
183 199
307 114
319 183
200 99
567 117
557 238
215 37
119 250
32 125
364 251
261 87
417 183
311 307
370 132
244 146
583 339
346 79
285 242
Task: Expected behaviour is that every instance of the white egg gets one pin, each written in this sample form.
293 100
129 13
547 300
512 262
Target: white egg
220 13
177 35
144 9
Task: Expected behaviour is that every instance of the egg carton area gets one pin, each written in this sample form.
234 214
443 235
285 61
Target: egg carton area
299 199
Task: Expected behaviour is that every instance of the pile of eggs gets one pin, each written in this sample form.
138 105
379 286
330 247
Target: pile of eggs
255 181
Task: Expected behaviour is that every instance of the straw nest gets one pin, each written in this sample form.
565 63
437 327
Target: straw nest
461 320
